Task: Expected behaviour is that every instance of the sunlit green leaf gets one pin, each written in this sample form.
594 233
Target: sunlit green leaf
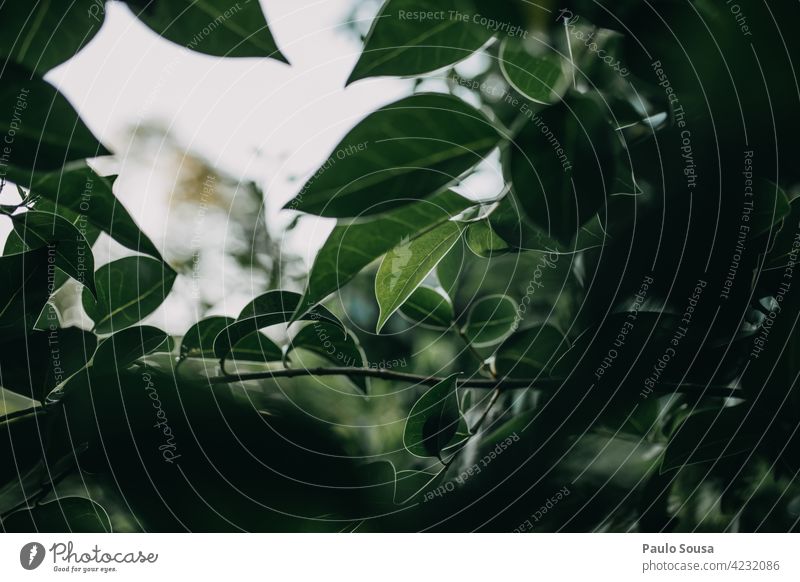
353 246
406 266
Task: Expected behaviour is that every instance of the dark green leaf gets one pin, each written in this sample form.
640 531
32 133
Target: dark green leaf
534 69
70 251
511 224
26 292
44 129
490 319
271 308
429 307
353 246
484 241
122 349
198 342
42 35
562 165
406 266
87 200
67 514
34 365
404 151
215 27
411 37
709 436
450 269
256 347
433 420
529 352
128 290
325 339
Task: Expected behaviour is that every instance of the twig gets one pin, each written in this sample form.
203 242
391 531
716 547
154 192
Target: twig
486 383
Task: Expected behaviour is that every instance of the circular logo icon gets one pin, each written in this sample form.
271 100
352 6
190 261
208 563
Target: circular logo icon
31 555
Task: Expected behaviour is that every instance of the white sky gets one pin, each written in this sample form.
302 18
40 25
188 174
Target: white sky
254 118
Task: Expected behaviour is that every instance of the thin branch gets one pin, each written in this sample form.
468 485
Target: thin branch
486 383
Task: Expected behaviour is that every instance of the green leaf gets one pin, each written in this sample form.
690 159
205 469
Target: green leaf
404 151
45 131
429 307
433 420
198 342
450 269
214 27
67 514
406 266
562 165
87 200
510 223
34 365
534 69
490 319
42 35
26 292
271 308
256 347
116 353
21 447
353 246
404 44
709 436
128 290
71 252
326 340
484 241
529 352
